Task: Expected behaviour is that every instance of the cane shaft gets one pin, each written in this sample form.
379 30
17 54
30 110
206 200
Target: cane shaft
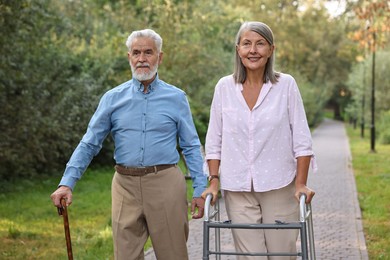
66 228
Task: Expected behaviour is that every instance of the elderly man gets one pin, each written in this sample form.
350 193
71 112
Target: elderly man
145 116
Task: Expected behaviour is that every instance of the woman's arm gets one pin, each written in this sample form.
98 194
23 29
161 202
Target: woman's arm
303 164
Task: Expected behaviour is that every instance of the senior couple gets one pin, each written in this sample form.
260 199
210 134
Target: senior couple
258 151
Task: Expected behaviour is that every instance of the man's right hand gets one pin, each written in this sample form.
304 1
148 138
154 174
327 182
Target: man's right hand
62 192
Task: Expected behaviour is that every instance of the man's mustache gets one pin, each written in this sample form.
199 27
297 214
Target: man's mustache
142 65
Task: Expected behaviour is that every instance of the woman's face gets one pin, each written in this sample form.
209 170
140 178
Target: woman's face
254 50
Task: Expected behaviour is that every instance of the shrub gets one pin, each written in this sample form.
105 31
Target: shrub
384 128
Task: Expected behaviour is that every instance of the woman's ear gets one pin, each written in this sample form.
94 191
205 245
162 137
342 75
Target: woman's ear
238 50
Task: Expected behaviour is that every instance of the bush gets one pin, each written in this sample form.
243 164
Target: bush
384 128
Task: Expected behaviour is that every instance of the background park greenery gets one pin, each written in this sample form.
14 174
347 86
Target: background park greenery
58 57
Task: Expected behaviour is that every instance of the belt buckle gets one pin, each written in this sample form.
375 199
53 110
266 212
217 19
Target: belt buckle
142 169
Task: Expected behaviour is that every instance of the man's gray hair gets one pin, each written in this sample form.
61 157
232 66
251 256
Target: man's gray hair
148 33
239 69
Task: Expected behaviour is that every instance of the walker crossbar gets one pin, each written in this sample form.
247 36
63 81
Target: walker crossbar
305 226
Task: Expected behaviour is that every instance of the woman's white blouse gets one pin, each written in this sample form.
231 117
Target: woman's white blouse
262 144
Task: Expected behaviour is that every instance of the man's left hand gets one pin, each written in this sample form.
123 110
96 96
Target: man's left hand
197 203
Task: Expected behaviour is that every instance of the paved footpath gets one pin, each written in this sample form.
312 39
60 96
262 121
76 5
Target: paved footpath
337 223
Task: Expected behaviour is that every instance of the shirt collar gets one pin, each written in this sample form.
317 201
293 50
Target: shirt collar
151 87
268 84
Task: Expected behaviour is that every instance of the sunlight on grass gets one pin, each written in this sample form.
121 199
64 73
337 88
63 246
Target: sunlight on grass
30 227
372 173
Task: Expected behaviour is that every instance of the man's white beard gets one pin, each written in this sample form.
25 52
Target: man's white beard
144 76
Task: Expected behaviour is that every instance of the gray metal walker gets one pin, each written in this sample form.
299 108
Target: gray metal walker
305 226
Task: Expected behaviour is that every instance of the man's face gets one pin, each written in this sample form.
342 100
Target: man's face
144 59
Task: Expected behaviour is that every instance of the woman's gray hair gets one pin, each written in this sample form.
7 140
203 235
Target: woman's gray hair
148 33
239 69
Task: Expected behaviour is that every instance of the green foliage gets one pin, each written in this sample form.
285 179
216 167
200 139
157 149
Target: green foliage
314 98
59 57
31 80
49 88
360 85
384 128
382 80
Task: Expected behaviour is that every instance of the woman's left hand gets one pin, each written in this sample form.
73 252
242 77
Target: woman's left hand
305 190
213 189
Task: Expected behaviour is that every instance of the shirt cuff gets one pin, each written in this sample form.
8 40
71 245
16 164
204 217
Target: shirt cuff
198 192
68 181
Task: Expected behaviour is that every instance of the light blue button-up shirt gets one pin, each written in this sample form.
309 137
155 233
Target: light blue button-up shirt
145 128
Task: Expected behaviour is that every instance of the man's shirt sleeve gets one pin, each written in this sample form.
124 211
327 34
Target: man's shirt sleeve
190 144
90 145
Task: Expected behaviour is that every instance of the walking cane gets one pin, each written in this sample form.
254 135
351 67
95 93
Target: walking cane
64 212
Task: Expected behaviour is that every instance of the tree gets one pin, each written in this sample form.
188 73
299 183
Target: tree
376 18
59 57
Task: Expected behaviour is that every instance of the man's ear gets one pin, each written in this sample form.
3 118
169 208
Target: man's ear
160 58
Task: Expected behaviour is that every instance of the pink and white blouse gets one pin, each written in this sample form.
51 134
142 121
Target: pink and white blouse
262 144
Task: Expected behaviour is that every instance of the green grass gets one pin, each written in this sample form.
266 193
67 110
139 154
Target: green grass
30 227
372 173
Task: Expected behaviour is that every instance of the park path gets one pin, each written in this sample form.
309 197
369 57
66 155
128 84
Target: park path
337 222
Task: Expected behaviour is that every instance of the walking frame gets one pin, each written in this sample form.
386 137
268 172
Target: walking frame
305 226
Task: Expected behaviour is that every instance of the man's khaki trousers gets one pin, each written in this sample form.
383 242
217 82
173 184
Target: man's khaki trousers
153 205
264 207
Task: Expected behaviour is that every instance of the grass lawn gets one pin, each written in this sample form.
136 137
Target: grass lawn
372 173
30 227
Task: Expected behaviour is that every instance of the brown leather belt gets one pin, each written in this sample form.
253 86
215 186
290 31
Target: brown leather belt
141 171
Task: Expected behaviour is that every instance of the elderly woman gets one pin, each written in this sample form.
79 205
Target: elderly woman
259 145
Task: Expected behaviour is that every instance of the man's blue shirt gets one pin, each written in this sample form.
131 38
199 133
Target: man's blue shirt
145 128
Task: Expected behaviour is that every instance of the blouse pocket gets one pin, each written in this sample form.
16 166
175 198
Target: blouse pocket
229 120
